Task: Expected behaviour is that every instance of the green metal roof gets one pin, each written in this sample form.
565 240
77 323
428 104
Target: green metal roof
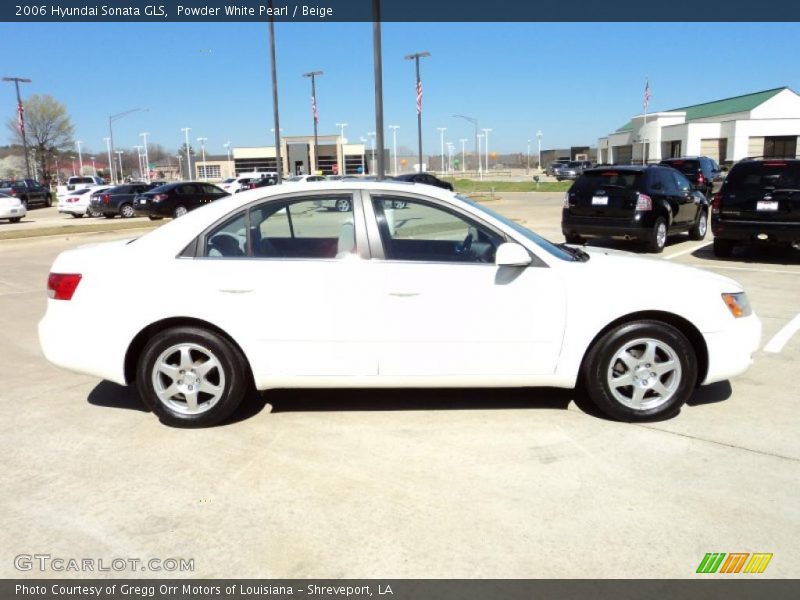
725 106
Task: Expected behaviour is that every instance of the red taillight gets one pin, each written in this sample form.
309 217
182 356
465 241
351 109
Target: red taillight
61 286
72 199
13 191
701 179
106 199
160 197
716 202
644 202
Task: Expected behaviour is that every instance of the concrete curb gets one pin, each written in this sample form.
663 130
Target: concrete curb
18 234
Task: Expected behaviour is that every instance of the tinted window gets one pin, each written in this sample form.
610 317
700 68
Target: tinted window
186 189
681 182
211 189
760 175
611 178
684 166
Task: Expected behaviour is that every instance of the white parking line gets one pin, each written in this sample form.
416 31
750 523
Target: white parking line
687 251
711 266
778 341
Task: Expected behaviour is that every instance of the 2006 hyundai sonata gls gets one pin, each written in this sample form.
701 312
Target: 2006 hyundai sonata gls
411 286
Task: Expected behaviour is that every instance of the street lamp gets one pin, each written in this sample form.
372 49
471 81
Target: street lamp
539 139
203 141
463 154
363 141
480 138
80 156
371 135
139 158
110 162
394 129
415 57
21 120
441 131
72 158
343 141
342 126
450 157
111 119
528 164
94 169
486 148
313 76
144 135
186 131
474 122
119 154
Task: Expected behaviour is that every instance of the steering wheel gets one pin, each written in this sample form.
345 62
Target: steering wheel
464 247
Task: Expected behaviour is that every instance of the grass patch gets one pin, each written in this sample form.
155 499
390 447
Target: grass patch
16 234
470 186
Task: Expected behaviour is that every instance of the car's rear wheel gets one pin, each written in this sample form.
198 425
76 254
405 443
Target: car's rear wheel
658 236
179 211
723 248
343 205
15 219
573 238
640 371
126 211
191 377
77 216
700 227
152 218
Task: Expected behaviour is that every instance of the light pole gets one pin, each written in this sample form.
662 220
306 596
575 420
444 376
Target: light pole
371 135
441 131
450 157
139 158
528 163
203 141
415 57
486 148
474 122
313 76
186 131
363 141
394 129
144 135
21 120
110 162
180 165
341 126
275 117
227 146
342 141
94 169
463 154
80 156
72 158
111 120
539 159
119 154
480 137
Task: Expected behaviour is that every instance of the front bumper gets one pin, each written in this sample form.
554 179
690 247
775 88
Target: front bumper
749 231
730 351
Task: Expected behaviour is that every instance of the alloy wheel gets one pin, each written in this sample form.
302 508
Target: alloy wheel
644 374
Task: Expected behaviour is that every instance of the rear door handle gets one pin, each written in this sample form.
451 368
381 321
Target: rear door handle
235 291
403 294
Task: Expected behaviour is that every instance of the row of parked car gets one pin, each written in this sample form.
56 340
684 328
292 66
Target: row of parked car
757 203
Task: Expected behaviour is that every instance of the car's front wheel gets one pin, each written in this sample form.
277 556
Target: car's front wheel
126 211
180 211
698 231
640 371
191 377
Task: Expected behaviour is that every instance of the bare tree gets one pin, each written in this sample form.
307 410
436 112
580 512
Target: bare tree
48 128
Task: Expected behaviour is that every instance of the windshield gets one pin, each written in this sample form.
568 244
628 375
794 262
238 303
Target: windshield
544 244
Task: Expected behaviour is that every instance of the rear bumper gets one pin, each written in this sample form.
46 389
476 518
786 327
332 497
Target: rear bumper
12 213
608 227
749 231
730 351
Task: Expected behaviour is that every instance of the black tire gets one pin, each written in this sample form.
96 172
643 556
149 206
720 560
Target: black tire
656 241
232 366
126 211
77 216
700 227
109 215
155 218
573 238
15 219
343 205
723 248
598 364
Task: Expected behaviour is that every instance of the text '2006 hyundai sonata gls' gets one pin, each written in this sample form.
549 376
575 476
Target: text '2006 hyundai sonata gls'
274 289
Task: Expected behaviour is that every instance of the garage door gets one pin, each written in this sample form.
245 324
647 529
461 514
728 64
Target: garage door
623 155
714 148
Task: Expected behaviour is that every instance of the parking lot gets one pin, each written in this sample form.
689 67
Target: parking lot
519 483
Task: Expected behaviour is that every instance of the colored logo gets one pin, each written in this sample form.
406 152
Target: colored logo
734 562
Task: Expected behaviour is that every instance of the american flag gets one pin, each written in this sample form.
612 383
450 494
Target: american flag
21 118
314 109
646 101
419 97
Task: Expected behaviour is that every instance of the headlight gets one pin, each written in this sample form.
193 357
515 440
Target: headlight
737 304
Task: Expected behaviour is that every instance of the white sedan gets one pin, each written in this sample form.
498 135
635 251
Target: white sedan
266 289
11 208
77 202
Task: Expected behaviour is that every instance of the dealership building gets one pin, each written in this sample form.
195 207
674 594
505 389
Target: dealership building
763 123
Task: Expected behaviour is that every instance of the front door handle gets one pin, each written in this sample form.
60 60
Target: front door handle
235 291
403 294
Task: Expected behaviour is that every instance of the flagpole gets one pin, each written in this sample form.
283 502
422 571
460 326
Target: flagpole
21 120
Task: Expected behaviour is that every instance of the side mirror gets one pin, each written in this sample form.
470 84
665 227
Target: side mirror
512 255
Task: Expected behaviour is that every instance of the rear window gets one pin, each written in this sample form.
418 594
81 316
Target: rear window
761 175
611 178
73 180
684 166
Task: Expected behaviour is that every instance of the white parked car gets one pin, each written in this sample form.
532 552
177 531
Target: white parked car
77 203
77 182
305 179
11 208
266 289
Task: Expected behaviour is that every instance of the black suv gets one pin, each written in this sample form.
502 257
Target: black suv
28 191
702 171
758 203
118 200
644 203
